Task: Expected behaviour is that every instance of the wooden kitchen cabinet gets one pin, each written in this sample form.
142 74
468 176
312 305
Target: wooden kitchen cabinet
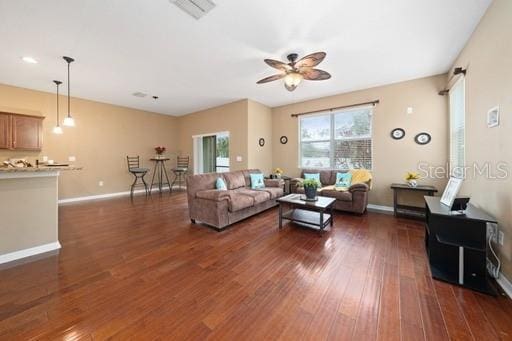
21 132
5 131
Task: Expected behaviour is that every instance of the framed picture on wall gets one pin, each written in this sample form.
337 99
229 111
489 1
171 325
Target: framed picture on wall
493 117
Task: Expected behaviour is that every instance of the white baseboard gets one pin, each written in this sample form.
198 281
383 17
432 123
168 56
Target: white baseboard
380 208
505 285
12 256
104 196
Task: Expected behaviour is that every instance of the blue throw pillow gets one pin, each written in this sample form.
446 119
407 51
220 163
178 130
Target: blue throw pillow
314 176
343 179
221 184
257 181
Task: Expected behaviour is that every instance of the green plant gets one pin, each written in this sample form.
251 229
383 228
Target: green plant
310 183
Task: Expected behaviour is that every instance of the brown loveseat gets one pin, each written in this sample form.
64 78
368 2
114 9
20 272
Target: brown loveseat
355 199
220 208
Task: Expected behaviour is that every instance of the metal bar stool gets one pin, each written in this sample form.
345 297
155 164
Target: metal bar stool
180 171
138 172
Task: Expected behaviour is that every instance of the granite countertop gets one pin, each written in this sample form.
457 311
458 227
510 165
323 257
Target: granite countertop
38 169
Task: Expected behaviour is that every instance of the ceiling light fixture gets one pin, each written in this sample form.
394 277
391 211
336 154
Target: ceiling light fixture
295 71
69 121
57 129
29 60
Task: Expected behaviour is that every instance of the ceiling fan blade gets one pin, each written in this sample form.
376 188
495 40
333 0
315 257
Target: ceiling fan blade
271 78
276 64
311 60
315 74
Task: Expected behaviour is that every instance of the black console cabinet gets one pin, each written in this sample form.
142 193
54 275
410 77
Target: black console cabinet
457 245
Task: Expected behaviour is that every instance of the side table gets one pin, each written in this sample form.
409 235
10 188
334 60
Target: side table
409 211
160 172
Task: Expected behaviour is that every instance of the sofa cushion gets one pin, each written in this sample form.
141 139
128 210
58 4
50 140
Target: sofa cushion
213 194
327 177
274 192
339 195
239 201
259 196
257 181
247 175
234 180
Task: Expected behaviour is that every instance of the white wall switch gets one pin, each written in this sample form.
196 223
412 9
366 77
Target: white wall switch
409 110
71 159
100 183
238 158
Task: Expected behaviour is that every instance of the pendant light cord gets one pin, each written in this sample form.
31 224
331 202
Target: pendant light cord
69 91
58 122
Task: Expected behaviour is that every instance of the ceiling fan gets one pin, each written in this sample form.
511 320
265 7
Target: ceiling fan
297 70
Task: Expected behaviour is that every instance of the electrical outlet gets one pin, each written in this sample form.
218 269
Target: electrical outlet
100 183
492 229
501 236
410 110
71 158
491 268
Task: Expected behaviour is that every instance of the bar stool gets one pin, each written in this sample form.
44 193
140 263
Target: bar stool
138 173
180 170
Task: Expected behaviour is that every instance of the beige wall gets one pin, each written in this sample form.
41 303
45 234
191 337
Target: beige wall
104 135
259 126
230 117
28 213
488 59
391 158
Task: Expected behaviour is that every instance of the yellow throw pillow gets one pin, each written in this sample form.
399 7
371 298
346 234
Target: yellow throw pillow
360 176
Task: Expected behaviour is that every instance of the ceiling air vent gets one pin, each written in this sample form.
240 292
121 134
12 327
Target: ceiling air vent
195 8
139 94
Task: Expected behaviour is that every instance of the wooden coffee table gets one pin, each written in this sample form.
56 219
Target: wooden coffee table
312 214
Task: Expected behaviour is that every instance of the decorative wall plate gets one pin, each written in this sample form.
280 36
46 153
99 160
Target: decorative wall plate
397 133
423 138
261 142
283 139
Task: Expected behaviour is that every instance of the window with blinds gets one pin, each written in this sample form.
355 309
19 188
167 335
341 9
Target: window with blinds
340 140
457 130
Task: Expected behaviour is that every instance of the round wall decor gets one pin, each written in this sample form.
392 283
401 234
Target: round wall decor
261 142
397 133
423 138
283 139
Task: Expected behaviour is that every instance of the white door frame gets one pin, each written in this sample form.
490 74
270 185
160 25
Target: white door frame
198 149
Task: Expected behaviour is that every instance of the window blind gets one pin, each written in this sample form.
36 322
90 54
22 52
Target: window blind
457 128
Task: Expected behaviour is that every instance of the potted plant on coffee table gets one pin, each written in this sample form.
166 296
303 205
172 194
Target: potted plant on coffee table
310 188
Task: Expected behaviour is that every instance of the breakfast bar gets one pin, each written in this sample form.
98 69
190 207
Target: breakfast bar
29 211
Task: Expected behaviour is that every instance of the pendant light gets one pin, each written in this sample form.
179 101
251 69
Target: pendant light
57 129
69 121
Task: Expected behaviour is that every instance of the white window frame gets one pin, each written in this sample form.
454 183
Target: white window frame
332 139
461 82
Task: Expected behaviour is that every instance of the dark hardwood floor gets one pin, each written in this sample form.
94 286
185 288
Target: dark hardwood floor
142 271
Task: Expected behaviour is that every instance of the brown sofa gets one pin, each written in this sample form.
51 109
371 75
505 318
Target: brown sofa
354 200
221 208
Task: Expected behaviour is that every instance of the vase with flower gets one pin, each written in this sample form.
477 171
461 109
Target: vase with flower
412 179
159 151
278 172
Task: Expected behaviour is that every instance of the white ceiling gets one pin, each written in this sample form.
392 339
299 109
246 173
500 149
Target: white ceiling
124 46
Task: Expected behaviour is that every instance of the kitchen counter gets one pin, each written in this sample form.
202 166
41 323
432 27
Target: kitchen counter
29 222
38 169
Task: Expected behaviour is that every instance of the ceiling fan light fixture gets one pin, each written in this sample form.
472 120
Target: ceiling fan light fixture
292 80
297 70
